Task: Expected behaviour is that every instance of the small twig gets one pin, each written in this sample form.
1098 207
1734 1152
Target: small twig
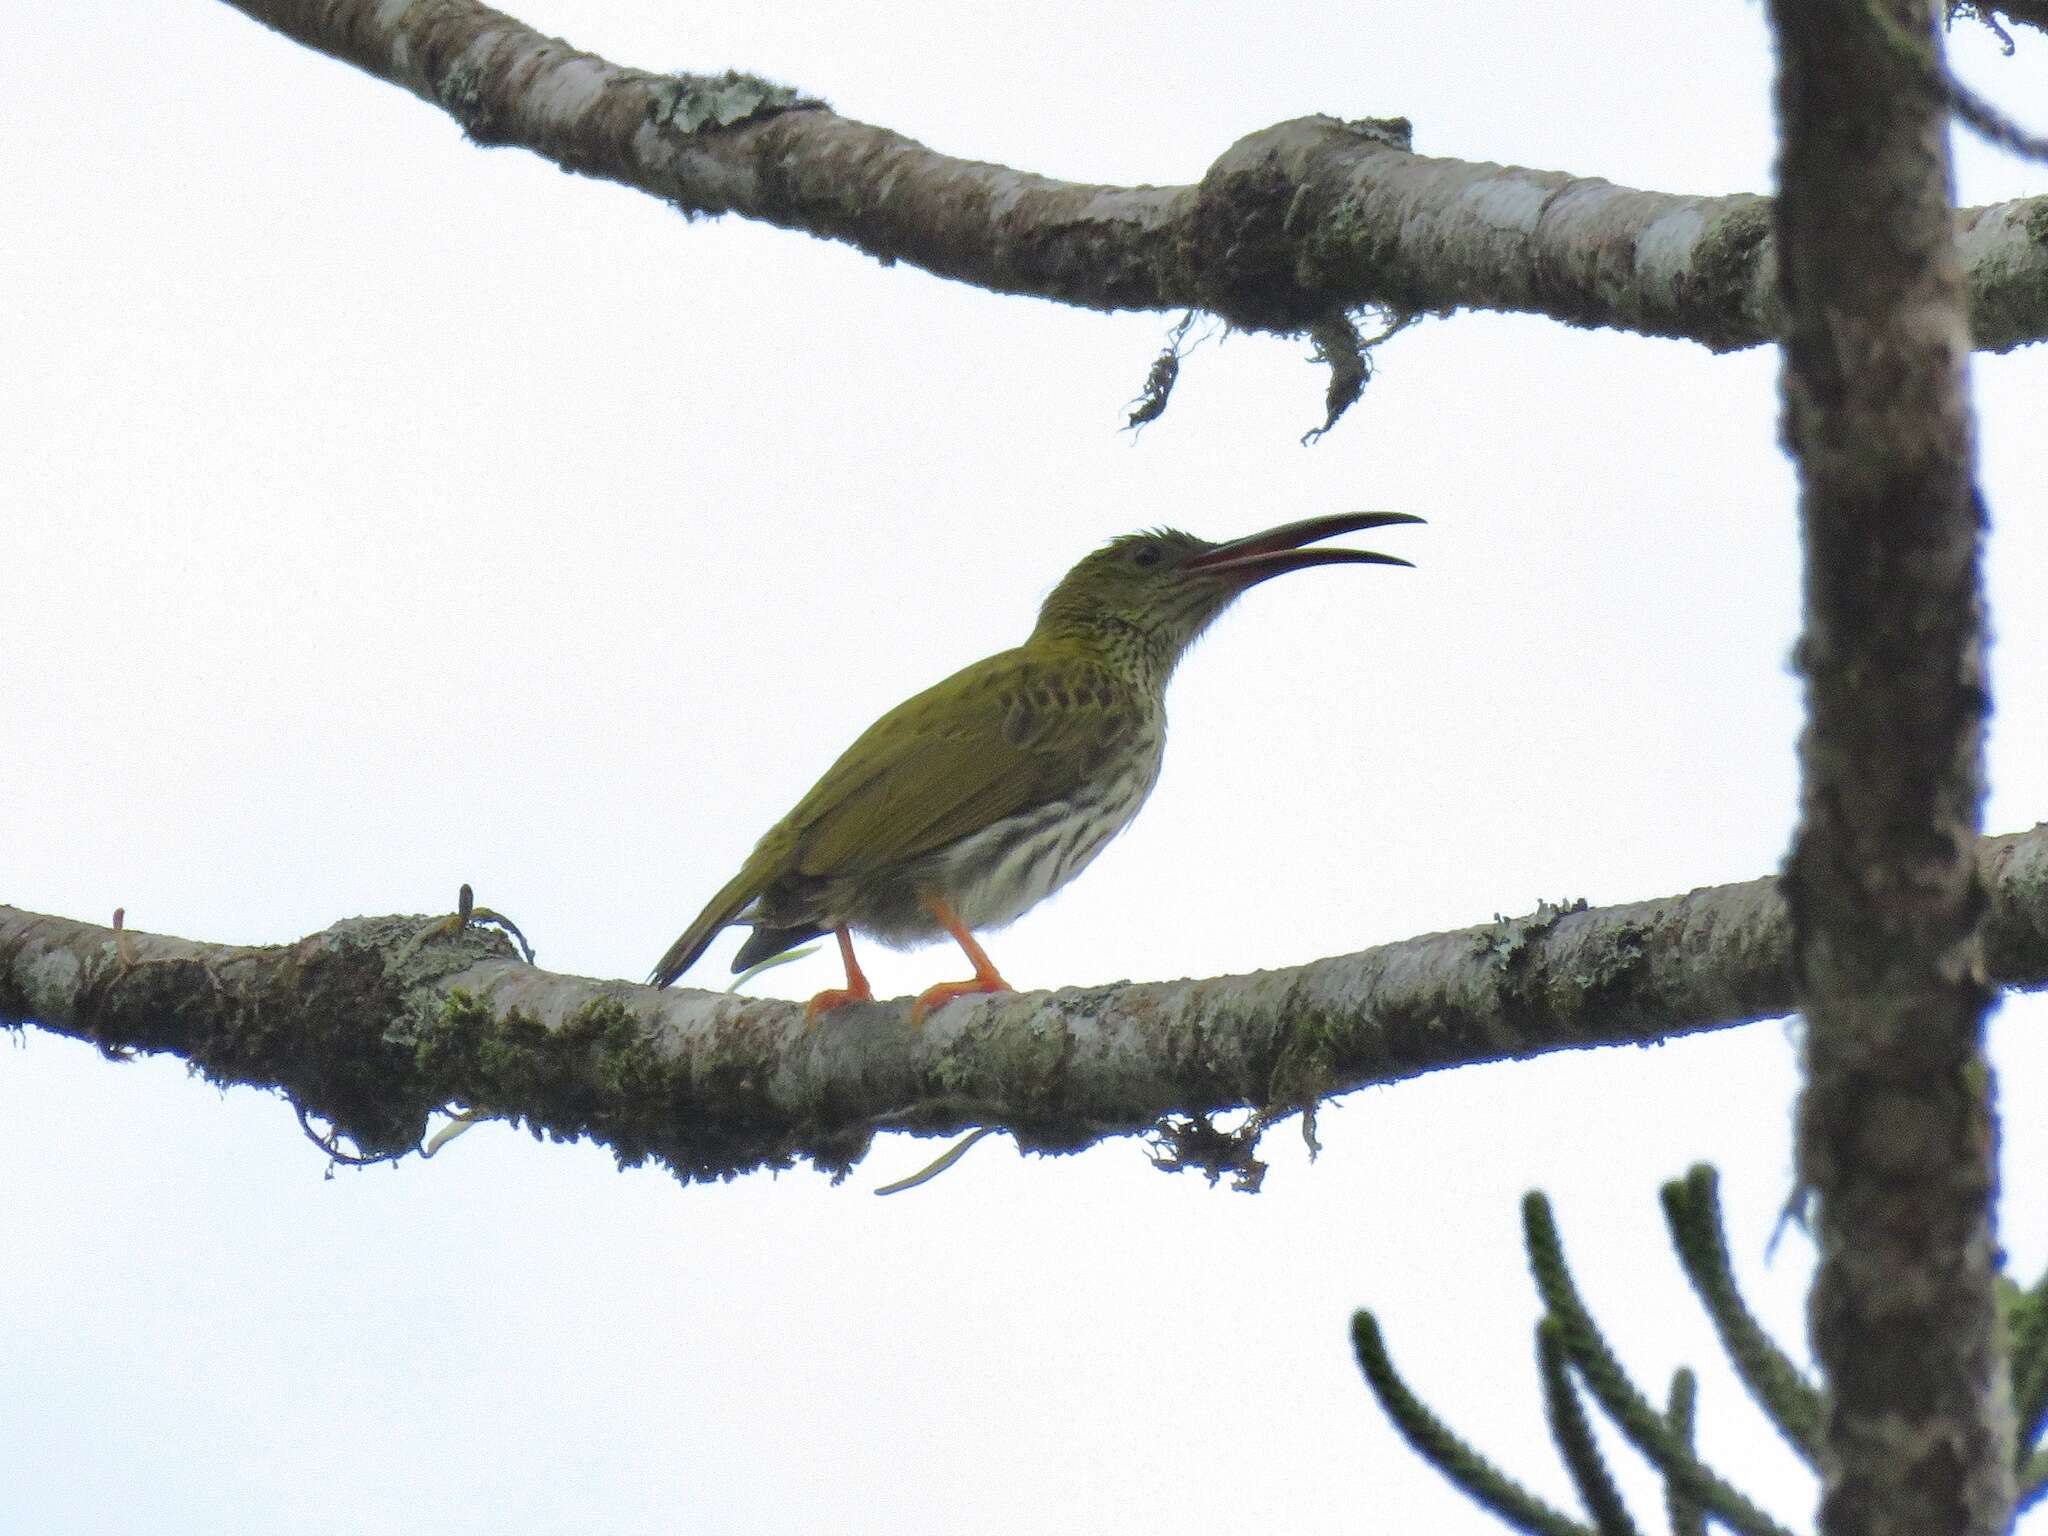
333 1150
939 1164
467 912
787 957
459 1122
1973 110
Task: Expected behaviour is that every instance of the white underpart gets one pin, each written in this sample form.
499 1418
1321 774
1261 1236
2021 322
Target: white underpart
1047 847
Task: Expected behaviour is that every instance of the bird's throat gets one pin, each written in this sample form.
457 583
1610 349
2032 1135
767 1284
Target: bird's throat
1140 657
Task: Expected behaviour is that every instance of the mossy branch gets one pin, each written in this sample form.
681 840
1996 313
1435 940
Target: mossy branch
1441 1447
373 1028
1793 1403
1291 225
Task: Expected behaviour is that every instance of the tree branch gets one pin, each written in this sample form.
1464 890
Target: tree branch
2032 13
1292 225
1896 1132
372 1030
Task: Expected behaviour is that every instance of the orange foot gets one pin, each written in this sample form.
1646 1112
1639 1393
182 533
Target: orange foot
834 997
946 991
856 989
985 977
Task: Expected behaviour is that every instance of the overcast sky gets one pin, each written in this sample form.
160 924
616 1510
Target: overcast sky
385 513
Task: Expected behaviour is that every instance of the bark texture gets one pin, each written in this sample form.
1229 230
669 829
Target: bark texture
373 1031
1896 1132
1292 227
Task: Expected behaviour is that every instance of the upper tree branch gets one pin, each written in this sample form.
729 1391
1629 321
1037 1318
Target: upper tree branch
373 1031
1292 224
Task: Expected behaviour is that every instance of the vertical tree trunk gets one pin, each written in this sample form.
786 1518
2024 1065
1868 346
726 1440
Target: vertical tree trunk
1896 1133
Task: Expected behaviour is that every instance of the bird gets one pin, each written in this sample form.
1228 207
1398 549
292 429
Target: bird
973 801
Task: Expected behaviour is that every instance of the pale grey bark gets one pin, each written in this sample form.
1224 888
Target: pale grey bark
1897 1138
1293 226
372 1030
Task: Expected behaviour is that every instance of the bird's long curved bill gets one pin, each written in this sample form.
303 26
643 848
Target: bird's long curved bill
1259 555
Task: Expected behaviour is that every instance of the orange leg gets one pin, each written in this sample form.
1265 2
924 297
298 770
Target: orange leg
986 978
856 989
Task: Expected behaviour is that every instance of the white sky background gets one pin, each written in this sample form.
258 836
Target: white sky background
385 513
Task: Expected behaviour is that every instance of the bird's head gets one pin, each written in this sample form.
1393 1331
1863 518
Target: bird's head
1146 596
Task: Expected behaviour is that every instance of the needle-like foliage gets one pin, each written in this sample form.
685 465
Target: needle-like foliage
1439 1445
1692 1210
1684 1511
1572 1355
2026 1323
1625 1403
1574 1435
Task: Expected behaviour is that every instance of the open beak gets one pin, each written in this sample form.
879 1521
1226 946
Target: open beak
1277 550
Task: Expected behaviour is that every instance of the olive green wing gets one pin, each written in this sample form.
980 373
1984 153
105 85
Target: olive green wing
1000 738
769 857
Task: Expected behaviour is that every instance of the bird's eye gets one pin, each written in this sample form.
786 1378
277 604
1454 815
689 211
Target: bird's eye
1148 554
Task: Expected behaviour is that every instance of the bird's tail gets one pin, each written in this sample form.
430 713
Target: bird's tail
767 943
696 938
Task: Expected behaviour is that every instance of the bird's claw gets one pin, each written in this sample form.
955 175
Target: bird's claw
946 991
834 997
